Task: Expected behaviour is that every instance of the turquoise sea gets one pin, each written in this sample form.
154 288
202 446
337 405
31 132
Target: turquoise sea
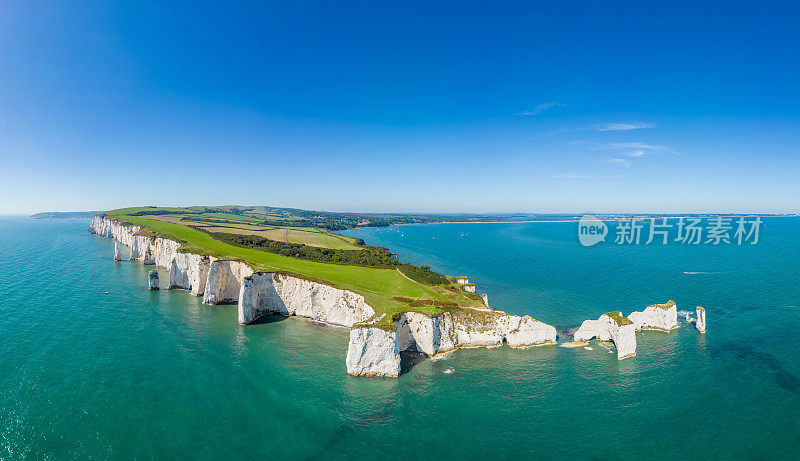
93 366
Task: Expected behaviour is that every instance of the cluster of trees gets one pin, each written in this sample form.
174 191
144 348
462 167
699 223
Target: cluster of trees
422 274
156 212
368 256
342 221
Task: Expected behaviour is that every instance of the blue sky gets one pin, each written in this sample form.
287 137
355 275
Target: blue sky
401 106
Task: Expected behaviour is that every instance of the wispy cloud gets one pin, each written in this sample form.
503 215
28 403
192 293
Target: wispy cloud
627 126
572 176
623 126
637 146
594 180
541 108
617 161
636 153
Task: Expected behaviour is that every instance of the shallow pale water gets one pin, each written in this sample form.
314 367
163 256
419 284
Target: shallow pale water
135 374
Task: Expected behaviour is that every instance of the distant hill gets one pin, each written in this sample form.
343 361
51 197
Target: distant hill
64 214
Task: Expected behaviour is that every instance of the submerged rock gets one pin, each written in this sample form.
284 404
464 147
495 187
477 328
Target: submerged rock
153 280
700 323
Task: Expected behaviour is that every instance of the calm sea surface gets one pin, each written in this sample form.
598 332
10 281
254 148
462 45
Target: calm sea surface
92 365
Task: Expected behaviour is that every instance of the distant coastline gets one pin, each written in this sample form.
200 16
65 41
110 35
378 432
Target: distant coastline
64 214
604 218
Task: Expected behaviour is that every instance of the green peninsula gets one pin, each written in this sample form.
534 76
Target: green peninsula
304 244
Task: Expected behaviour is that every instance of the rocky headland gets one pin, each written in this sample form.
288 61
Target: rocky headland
376 340
375 343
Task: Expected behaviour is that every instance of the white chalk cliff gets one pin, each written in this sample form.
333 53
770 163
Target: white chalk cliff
442 334
700 322
117 255
189 271
224 281
622 333
611 326
263 293
587 331
371 350
661 317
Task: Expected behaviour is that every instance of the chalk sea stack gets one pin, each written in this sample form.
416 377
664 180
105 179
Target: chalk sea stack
659 317
152 279
611 326
700 323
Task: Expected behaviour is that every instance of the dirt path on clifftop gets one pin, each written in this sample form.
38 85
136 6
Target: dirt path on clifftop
483 309
404 275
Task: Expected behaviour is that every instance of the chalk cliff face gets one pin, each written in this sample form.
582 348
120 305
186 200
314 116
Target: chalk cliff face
608 328
662 317
700 323
623 336
163 251
373 351
587 331
140 246
430 335
485 299
224 281
263 293
117 255
189 272
531 332
447 332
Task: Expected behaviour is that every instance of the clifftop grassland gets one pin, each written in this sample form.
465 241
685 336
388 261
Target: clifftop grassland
302 243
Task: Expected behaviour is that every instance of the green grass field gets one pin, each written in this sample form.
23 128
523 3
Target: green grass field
378 286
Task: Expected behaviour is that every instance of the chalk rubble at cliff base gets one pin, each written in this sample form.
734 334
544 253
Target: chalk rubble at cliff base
371 350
